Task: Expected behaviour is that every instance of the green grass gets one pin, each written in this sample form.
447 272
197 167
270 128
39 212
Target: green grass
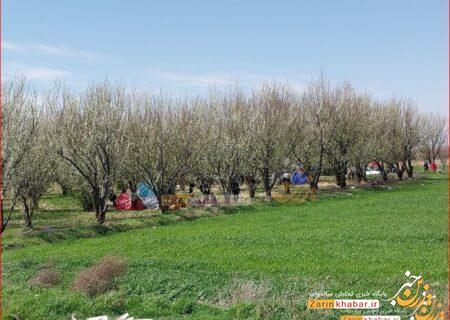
256 262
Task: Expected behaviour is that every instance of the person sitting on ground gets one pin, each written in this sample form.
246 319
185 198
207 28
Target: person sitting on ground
206 199
201 202
191 201
113 198
433 166
213 199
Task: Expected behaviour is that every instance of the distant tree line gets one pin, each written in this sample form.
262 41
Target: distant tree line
91 141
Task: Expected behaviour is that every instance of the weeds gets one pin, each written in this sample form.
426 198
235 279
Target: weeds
100 277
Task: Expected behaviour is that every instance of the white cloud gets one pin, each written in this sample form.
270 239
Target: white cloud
65 52
42 73
208 79
194 80
57 51
36 73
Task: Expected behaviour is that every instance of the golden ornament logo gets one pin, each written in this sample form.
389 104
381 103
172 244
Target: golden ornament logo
418 295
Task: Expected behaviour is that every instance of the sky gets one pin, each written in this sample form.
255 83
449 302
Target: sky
383 47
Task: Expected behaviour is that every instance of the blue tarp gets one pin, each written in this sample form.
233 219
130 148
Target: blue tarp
147 196
144 190
299 178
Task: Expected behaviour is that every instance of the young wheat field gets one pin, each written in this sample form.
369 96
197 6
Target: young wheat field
248 262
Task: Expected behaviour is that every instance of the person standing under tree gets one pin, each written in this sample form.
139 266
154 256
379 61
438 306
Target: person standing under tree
235 190
286 180
425 165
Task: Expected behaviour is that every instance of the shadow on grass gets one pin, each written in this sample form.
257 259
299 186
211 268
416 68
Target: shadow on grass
73 228
236 209
53 234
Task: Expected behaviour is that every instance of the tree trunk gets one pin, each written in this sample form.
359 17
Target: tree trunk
27 220
27 212
99 205
227 198
313 186
161 204
384 174
400 174
252 191
100 212
313 182
361 173
251 187
340 172
269 195
35 203
267 185
340 180
409 168
182 184
382 171
205 187
132 185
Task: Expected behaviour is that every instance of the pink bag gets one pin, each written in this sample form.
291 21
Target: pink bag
123 202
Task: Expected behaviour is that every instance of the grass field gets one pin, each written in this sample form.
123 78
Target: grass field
260 261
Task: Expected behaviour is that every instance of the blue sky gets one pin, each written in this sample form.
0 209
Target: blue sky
385 47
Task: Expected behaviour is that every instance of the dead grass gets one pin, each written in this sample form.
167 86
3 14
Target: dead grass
46 277
100 277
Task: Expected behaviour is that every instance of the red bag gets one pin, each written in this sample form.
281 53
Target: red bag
137 205
123 202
